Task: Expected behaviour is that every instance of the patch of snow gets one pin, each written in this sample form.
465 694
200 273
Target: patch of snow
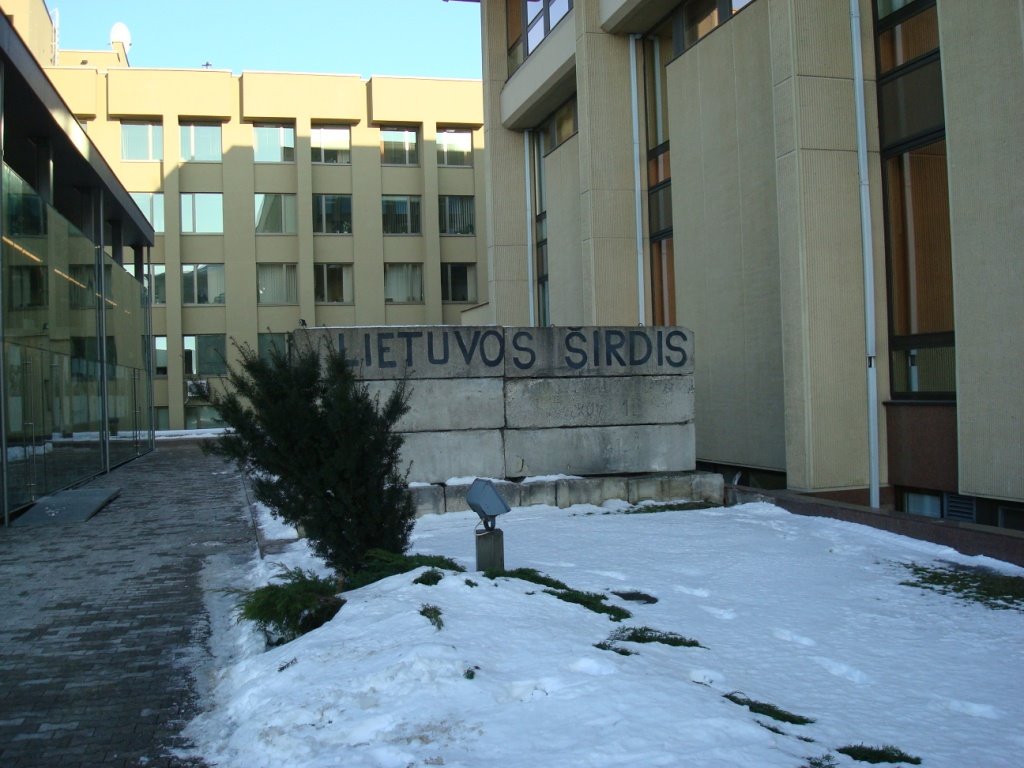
513 678
548 478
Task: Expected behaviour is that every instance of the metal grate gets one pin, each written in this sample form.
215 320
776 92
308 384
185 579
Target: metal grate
959 507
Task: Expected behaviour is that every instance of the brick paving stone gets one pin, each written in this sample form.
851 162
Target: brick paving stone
104 626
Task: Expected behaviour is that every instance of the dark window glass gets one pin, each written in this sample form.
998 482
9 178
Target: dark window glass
911 104
902 43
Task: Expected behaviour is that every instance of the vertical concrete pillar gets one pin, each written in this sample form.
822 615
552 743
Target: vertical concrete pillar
607 188
508 222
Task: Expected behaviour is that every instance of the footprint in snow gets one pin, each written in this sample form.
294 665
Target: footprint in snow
839 669
792 637
719 613
610 575
970 708
696 592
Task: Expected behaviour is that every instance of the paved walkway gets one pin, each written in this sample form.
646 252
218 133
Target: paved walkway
102 623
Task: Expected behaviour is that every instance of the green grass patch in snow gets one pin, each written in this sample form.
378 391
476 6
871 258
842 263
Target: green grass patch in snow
593 601
429 577
433 614
648 635
884 754
768 710
979 585
531 575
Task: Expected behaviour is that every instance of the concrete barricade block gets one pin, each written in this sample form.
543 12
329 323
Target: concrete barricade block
600 450
591 490
429 499
438 456
710 487
437 405
584 402
540 492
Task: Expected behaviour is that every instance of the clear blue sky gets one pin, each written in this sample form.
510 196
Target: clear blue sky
423 38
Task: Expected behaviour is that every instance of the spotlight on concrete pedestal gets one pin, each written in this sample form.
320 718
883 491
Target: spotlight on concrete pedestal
484 499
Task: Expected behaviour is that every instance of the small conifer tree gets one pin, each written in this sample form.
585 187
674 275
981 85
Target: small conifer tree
323 452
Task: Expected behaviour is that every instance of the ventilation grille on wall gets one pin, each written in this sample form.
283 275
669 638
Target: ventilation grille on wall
959 507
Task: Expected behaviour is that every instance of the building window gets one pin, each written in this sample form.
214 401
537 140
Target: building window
400 214
26 214
662 265
152 206
332 214
203 417
142 141
916 193
398 146
26 287
204 355
200 143
158 283
331 144
268 343
85 291
561 125
160 355
274 143
276 214
403 283
163 417
456 215
277 284
455 148
332 283
458 282
202 283
202 213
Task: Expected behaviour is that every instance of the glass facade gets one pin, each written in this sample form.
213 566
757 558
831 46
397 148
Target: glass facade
75 352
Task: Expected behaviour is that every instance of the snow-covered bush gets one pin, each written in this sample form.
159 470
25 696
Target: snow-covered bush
323 452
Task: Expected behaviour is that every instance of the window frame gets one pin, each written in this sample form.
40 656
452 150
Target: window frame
409 215
446 282
320 213
190 128
202 371
445 215
289 209
321 283
154 141
281 145
192 228
412 157
443 150
194 299
409 300
152 206
316 143
286 268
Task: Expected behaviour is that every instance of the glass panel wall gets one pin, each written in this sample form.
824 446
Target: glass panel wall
53 351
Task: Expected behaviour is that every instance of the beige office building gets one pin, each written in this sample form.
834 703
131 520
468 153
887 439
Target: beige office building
281 199
699 162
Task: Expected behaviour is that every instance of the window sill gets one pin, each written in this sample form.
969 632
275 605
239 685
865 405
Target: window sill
332 234
273 162
335 303
457 234
394 303
202 162
403 234
322 162
446 165
215 234
276 234
277 304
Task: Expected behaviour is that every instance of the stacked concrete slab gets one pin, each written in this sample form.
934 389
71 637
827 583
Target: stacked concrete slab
521 402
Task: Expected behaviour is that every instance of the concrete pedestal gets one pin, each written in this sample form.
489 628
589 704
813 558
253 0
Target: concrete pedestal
490 550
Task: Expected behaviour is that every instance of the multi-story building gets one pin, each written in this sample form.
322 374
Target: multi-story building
75 390
851 267
284 199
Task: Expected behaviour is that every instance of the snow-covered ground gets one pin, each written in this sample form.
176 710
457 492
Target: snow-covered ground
805 613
